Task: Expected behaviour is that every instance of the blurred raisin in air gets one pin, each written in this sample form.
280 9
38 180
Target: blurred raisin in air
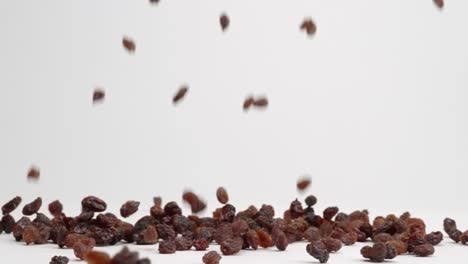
439 3
309 26
248 102
55 208
34 173
303 183
261 102
11 205
32 207
224 21
98 95
154 1
180 94
129 208
222 195
129 44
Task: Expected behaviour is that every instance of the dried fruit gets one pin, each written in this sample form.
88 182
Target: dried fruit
332 244
464 237
93 204
62 260
196 204
439 3
167 247
129 44
148 236
295 209
97 257
34 173
303 183
309 26
180 94
281 241
264 239
248 102
55 208
423 250
11 205
183 243
200 244
81 250
33 207
329 213
222 195
211 257
376 253
310 200
8 222
231 246
125 256
224 21
260 102
98 95
434 238
129 208
318 250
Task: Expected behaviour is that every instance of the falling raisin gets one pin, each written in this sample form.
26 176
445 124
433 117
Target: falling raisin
248 102
423 250
167 247
157 201
129 208
310 200
125 256
303 183
64 260
11 205
211 257
180 94
93 204
8 223
129 44
309 26
224 21
439 3
260 102
98 95
318 250
34 173
55 208
33 207
222 195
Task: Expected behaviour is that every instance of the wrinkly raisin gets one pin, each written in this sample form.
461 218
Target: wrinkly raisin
231 246
211 257
33 207
183 244
11 205
310 200
62 260
167 247
18 228
295 209
332 244
423 250
200 244
434 238
129 208
376 253
180 94
228 212
55 208
349 238
252 239
222 195
129 44
318 250
93 204
125 256
172 208
224 21
309 26
312 234
81 250
329 213
148 236
264 239
281 241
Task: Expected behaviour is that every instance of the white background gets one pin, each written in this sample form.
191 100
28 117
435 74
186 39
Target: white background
373 107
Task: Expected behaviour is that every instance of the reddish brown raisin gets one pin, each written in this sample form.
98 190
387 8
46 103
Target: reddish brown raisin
423 250
303 183
211 257
147 236
231 246
439 3
332 244
264 239
434 238
376 253
224 21
125 256
167 247
65 260
11 205
93 204
97 257
281 241
129 208
329 213
260 102
129 44
252 239
98 95
222 195
309 26
33 207
318 250
34 173
81 250
200 244
180 94
295 209
183 243
55 208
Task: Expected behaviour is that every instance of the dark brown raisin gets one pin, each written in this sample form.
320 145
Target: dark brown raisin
63 260
148 236
180 94
228 212
309 26
222 195
211 257
310 200
329 213
196 204
55 208
183 243
391 251
439 3
129 208
33 207
200 244
318 250
224 21
295 209
232 246
125 256
129 44
434 238
376 253
332 244
97 257
167 247
18 228
248 102
449 225
303 183
98 95
93 204
281 241
423 250
11 205
34 173
464 238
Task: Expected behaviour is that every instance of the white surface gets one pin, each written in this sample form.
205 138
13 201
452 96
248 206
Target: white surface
373 106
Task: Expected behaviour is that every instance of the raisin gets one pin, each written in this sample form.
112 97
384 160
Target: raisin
144 261
312 234
318 250
172 208
11 205
349 238
157 200
329 213
311 200
211 257
332 244
55 208
434 238
129 44
423 250
32 207
98 95
183 243
376 253
32 235
148 236
264 239
303 183
231 246
239 227
18 228
449 225
228 212
167 247
224 21
200 244
129 208
309 26
439 3
97 257
382 237
222 195
63 260
260 102
252 239
72 239
58 234
295 209
85 216
248 102
196 204
464 237
400 246
125 256
154 1
93 204
180 94
391 251
34 173
81 250
281 241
